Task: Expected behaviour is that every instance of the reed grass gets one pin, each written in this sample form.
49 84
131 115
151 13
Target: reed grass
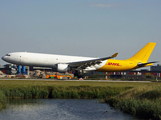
144 102
144 109
61 92
3 100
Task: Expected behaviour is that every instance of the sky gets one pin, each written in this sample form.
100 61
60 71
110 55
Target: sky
91 28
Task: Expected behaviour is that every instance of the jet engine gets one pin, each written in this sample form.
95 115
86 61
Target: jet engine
62 67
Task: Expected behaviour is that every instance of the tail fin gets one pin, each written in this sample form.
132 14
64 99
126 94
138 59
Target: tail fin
144 54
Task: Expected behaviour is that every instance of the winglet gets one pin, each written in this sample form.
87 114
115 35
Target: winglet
114 55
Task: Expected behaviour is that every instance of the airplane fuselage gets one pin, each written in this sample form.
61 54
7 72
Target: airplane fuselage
50 60
63 63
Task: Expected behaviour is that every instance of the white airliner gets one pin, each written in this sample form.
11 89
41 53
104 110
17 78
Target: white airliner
64 63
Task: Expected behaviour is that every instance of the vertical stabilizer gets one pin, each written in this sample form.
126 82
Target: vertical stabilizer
144 54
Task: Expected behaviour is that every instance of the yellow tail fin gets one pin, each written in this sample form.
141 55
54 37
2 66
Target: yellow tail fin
144 54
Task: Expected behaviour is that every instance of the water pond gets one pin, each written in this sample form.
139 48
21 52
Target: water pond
61 109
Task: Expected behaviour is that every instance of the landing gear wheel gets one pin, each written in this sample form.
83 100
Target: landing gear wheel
79 75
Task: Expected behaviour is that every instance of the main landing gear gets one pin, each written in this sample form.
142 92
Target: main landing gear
79 74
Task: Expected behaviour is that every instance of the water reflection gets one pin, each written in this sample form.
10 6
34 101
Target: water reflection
61 109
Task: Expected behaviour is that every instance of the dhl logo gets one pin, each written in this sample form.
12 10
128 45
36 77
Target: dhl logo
113 64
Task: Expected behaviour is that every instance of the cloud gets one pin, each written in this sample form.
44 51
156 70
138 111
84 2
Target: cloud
104 5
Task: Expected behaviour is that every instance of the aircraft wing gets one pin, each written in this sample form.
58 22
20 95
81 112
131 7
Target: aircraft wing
144 64
88 63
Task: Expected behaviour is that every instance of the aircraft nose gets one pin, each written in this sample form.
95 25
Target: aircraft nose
2 58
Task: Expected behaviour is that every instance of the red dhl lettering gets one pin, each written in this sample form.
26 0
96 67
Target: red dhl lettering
113 64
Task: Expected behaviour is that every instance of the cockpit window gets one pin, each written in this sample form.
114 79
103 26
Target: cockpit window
7 55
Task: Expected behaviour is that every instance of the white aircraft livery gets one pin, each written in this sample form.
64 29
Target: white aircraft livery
64 63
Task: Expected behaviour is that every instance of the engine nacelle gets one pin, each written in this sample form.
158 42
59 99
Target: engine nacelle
62 67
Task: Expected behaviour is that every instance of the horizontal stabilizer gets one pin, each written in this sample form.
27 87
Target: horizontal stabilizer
144 64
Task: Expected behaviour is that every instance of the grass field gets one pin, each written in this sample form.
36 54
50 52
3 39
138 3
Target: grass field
139 99
14 83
